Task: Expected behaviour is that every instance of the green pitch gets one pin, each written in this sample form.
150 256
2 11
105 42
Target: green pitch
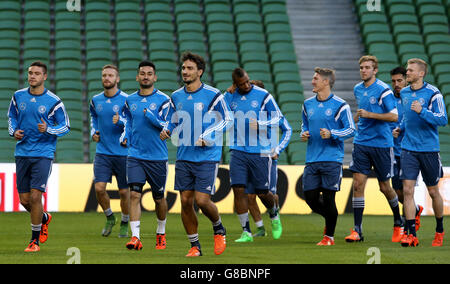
81 232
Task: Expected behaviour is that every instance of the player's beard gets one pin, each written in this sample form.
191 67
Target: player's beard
109 87
146 86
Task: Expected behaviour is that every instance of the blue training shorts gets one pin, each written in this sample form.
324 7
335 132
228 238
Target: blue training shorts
366 157
246 168
250 189
32 173
429 163
105 166
396 181
322 175
154 172
198 176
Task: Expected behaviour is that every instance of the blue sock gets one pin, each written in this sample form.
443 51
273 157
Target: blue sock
358 209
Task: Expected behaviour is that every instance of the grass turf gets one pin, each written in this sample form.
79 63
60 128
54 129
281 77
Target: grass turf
296 246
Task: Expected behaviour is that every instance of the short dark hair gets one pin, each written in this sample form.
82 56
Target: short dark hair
399 70
197 59
326 73
111 66
147 63
40 64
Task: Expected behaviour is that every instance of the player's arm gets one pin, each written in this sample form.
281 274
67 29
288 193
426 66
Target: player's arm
95 133
13 129
286 131
124 139
435 114
218 105
389 105
304 135
60 125
272 110
171 121
158 120
344 117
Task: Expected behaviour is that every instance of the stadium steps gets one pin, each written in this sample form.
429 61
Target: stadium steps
330 40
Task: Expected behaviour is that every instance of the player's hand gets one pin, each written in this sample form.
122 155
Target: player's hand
18 134
275 157
231 89
325 133
253 124
363 113
201 143
96 136
116 118
416 106
42 127
396 132
305 136
165 134
124 142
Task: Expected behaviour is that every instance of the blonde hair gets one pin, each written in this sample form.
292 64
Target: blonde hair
326 73
111 66
372 58
422 64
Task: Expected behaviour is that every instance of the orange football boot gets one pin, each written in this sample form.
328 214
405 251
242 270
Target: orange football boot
32 247
418 217
398 234
220 244
44 230
410 241
160 241
326 241
134 243
194 252
354 237
438 239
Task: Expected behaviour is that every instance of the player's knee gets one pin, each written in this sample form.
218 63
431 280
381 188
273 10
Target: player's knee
158 196
434 192
100 187
136 187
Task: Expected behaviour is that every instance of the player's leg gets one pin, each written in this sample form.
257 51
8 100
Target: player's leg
331 216
410 168
135 216
120 171
240 186
103 174
361 167
156 176
190 222
256 215
431 168
205 178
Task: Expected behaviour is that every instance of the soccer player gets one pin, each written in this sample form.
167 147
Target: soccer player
398 79
110 158
327 122
145 115
251 151
373 143
424 112
197 116
36 118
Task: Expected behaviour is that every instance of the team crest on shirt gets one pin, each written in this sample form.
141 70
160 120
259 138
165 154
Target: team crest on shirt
328 112
373 100
254 104
133 107
310 112
115 108
152 106
233 105
199 106
22 106
42 109
421 101
99 107
179 106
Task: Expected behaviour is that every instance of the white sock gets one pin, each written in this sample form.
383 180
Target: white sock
161 229
260 223
135 228
125 218
108 212
243 218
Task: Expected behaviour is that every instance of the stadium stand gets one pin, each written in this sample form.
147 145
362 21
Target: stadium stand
404 29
